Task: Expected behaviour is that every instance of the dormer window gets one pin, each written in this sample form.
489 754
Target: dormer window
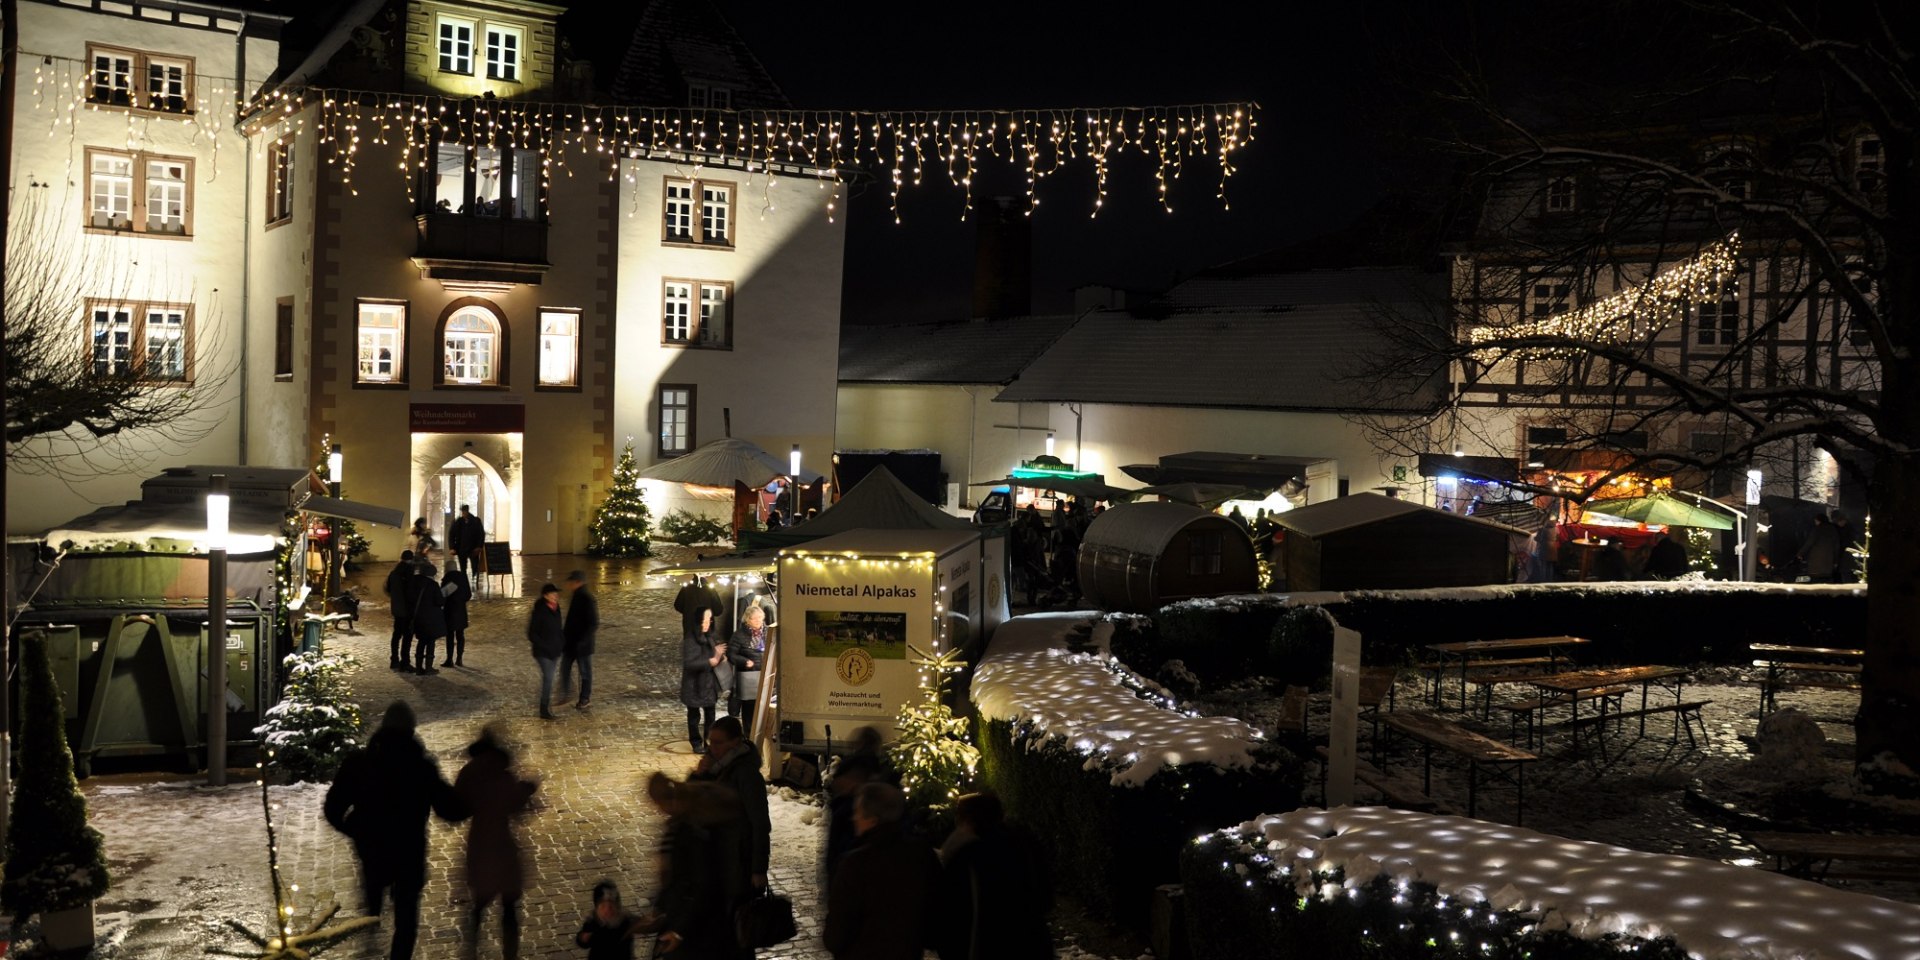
1561 196
707 96
1729 168
503 53
1869 162
456 45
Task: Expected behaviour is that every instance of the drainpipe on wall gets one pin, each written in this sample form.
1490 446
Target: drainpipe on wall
973 432
246 237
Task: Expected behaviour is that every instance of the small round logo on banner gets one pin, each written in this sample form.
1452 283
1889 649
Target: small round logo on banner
993 590
855 666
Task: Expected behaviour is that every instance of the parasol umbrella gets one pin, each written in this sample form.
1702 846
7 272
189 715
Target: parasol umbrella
722 463
1206 496
1660 510
1085 487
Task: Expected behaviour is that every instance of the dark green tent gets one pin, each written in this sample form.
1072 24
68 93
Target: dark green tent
879 501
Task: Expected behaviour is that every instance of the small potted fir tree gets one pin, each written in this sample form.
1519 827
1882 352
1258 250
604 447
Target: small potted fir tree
55 863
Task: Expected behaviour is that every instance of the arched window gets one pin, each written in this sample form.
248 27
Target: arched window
473 344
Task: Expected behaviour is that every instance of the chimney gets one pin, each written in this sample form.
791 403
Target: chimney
1002 259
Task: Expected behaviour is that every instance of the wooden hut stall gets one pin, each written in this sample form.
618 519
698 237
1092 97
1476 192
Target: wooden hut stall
1372 542
1139 557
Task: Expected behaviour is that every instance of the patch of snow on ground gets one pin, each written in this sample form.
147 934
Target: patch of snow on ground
1028 674
1716 911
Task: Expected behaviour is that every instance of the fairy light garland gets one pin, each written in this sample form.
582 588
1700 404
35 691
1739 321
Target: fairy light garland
1635 314
829 144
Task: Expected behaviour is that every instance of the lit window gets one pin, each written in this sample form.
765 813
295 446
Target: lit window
1717 319
147 340
1561 196
139 193
130 78
1547 296
716 212
677 312
711 326
472 345
503 53
280 181
167 84
676 419
456 45
383 340
680 211
559 348
502 182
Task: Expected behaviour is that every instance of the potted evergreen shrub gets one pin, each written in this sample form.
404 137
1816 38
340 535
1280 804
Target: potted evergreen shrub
55 866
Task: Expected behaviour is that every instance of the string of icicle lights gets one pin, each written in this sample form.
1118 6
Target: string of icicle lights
902 146
1632 315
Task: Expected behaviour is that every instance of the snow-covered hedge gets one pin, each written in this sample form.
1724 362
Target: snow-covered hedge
1099 763
1369 881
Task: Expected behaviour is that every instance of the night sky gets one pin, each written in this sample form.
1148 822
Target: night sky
1323 154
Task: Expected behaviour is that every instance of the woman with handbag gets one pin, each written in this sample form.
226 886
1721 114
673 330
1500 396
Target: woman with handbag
748 651
702 657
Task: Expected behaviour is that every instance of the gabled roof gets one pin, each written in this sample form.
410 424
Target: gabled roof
1361 509
1291 360
878 502
689 41
973 351
1303 288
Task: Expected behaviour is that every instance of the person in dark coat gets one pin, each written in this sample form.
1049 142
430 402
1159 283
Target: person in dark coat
607 932
1668 558
748 654
693 598
881 901
464 538
429 616
863 763
583 622
380 800
546 634
701 655
455 591
733 763
1611 564
1847 564
494 796
994 893
400 598
1821 553
691 907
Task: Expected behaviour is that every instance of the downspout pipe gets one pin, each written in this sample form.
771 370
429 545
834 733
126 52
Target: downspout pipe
246 242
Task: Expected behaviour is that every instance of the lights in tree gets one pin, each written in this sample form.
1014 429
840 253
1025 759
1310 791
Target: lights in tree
834 145
1632 315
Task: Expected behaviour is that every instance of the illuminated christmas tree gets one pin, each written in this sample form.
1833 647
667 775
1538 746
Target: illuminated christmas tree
934 754
624 523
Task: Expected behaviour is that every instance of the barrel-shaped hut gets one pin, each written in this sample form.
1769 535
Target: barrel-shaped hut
1139 557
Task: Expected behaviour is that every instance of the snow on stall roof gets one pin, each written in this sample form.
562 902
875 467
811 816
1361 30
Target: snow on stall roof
1716 911
1029 674
1499 591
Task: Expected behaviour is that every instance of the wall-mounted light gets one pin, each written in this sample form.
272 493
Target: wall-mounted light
1049 443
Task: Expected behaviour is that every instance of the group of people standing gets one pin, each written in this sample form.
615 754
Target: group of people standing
1046 557
716 665
561 642
426 611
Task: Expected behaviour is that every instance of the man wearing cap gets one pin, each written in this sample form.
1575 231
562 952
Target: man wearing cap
583 621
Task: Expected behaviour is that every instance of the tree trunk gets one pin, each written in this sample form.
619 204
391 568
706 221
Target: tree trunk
1887 730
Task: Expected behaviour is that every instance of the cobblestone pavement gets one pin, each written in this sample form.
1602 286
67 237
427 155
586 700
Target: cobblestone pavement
187 858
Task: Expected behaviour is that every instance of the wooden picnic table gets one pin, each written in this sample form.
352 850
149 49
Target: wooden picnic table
1567 687
1813 854
1786 666
1489 654
1432 731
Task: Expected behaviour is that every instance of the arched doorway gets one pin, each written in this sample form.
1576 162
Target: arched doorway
468 481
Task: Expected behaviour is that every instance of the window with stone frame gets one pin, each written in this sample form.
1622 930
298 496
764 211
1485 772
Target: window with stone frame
152 341
559 347
139 192
455 37
697 313
280 181
381 328
471 345
122 77
710 200
676 434
1563 195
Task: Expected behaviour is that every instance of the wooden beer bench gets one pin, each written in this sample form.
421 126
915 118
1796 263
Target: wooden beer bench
1812 855
1802 673
1507 762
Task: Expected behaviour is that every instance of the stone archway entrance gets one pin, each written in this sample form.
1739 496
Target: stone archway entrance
470 481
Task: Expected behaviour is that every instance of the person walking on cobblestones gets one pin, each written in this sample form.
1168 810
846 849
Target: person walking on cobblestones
860 765
700 659
464 539
455 592
380 800
495 795
399 599
994 894
691 911
882 897
733 763
546 634
429 616
583 621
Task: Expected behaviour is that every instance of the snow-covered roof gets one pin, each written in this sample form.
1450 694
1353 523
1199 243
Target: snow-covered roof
969 352
1299 288
1144 528
1716 911
877 542
1029 674
1360 509
144 527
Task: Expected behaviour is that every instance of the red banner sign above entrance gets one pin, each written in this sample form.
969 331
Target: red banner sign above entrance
467 418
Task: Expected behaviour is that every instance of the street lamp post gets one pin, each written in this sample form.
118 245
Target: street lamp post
1049 443
336 466
793 482
1750 526
217 505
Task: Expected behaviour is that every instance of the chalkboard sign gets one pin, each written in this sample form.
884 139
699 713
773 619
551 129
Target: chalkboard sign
497 559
